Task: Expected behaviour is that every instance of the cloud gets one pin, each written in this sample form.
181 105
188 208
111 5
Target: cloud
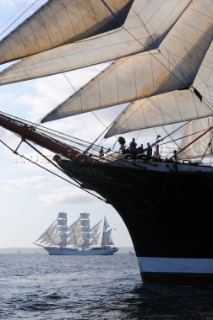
50 191
65 195
23 184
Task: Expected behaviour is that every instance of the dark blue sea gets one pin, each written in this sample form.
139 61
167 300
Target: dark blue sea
38 286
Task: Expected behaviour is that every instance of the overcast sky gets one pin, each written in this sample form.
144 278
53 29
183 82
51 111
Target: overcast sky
31 197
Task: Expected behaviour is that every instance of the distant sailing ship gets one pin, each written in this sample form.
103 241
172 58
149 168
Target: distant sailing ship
160 64
78 238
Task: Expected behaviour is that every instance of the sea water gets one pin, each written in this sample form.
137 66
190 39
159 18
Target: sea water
39 286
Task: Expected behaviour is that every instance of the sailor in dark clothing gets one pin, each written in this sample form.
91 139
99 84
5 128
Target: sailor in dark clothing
149 150
122 142
175 155
133 145
141 149
101 152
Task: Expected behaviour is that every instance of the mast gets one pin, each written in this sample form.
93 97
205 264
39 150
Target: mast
62 229
84 239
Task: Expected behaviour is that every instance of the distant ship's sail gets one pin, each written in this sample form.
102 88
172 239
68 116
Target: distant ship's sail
47 235
84 236
56 234
78 235
144 28
172 67
73 233
107 231
60 22
95 234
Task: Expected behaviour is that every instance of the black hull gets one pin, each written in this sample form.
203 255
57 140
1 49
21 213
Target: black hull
186 279
166 212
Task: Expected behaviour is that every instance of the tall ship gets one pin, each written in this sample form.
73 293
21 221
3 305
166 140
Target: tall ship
159 69
78 238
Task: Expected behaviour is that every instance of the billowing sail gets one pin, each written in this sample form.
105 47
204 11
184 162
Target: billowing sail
78 238
176 106
60 22
197 139
74 232
56 234
146 25
106 237
47 237
172 67
95 234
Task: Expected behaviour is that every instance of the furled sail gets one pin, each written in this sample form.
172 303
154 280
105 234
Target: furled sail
59 22
61 239
197 139
172 67
84 238
172 107
146 25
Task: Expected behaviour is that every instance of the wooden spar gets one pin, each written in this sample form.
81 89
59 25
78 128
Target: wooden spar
29 132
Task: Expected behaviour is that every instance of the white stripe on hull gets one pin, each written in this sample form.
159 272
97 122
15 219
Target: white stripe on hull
175 265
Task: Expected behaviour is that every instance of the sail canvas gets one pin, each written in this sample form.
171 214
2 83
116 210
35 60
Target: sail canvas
161 68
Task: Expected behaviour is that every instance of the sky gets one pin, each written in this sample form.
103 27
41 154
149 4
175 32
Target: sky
30 197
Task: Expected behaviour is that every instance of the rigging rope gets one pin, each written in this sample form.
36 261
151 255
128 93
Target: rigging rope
50 171
10 25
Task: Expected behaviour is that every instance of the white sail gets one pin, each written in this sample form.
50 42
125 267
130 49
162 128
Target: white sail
84 237
77 235
59 22
56 233
74 232
49 236
146 25
61 234
197 139
176 106
44 235
172 67
106 237
95 234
